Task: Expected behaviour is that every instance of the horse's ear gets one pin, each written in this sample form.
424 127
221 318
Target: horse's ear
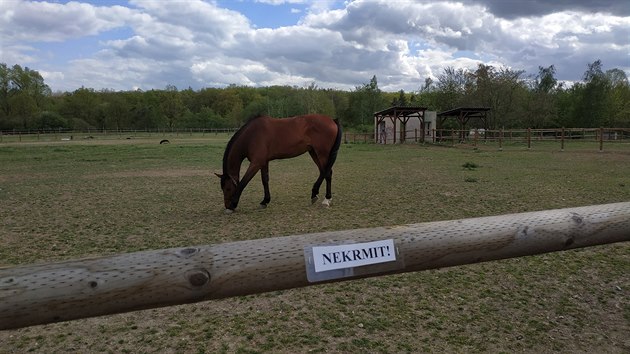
218 175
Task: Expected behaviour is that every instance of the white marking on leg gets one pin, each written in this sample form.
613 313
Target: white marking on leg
326 202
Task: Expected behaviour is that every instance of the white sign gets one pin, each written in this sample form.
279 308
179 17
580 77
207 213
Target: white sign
353 255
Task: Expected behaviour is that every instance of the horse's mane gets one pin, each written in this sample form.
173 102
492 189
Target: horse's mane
231 142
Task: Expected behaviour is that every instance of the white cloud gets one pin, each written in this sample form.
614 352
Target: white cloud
18 53
197 43
535 8
42 21
192 19
51 76
281 2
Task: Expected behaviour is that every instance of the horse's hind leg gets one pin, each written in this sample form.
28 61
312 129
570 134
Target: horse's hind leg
264 174
320 179
315 190
328 198
323 175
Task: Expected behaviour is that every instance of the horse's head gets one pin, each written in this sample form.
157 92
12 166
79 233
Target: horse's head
228 185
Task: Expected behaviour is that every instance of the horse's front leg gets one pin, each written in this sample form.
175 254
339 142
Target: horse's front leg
264 175
249 174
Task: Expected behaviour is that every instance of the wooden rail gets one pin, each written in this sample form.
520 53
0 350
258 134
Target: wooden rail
46 293
474 136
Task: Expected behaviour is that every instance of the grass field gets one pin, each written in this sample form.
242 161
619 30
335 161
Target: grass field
90 197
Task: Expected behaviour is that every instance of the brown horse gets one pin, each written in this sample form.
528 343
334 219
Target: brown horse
263 139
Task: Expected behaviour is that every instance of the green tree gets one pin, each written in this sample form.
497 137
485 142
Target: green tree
426 96
591 110
23 94
82 108
314 100
116 110
540 106
51 120
340 101
144 109
276 100
4 92
22 110
171 106
229 105
364 101
401 99
500 90
546 79
450 88
618 99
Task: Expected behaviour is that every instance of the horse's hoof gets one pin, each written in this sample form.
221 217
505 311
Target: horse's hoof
326 202
262 206
228 211
314 199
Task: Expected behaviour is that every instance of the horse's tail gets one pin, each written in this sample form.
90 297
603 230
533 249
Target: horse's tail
332 157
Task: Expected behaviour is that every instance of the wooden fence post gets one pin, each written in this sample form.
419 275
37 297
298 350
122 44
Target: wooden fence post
529 138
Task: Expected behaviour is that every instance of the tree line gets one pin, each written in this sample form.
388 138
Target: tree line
602 98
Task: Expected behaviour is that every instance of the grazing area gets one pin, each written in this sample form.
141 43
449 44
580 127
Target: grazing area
80 198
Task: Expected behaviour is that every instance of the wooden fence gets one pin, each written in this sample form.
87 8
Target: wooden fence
46 293
520 136
354 138
527 136
67 134
436 136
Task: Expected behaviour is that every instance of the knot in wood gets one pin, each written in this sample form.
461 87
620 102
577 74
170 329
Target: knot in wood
577 218
187 252
568 242
198 277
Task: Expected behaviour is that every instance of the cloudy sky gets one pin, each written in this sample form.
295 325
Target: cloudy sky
124 45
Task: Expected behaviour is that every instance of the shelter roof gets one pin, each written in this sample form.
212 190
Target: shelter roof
470 112
400 111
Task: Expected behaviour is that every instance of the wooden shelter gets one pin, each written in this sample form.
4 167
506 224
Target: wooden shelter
463 115
397 114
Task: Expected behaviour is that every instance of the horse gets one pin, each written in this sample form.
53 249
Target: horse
262 139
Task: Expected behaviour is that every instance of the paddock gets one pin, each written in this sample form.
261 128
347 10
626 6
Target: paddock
65 201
